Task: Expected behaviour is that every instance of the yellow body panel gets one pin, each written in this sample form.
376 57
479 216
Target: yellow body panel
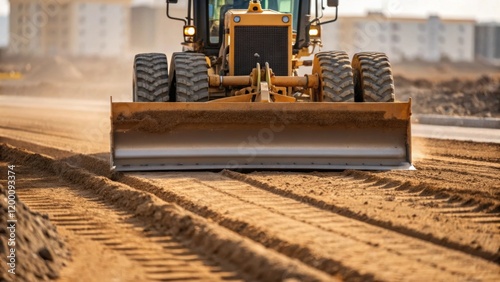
264 18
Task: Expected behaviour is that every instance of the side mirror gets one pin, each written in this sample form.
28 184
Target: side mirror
332 3
172 1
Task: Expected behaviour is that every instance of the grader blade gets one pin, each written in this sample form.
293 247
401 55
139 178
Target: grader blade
225 135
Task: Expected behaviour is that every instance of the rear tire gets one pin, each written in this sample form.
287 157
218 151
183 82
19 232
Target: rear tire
335 76
188 77
373 77
150 78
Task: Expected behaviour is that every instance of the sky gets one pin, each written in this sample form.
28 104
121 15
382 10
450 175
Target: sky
481 10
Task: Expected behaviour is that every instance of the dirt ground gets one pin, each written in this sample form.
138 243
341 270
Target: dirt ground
30 236
457 97
440 222
455 89
441 219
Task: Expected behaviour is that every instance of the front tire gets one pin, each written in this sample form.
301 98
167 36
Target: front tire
150 78
188 77
373 77
335 76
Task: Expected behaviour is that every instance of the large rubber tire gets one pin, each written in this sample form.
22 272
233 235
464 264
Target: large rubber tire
188 77
335 75
373 77
150 78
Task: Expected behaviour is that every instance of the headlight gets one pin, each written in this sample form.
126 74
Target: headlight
314 31
189 30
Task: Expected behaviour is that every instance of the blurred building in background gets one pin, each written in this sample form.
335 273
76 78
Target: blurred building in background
152 31
488 43
432 39
69 27
4 31
114 28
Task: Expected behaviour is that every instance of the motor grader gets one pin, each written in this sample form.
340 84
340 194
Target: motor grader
234 99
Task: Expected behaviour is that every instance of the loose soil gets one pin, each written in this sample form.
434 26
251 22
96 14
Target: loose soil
438 216
289 116
231 251
440 222
457 97
35 238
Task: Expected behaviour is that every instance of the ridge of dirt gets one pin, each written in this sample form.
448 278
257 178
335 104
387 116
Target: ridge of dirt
301 253
330 266
417 188
54 153
486 202
410 227
253 259
323 239
465 171
111 241
455 97
295 251
35 238
476 159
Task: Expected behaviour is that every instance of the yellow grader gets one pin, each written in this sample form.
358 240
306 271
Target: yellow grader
234 99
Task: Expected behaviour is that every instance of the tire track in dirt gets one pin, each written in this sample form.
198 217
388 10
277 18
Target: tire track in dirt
227 249
409 189
465 181
326 240
444 235
412 210
462 151
158 257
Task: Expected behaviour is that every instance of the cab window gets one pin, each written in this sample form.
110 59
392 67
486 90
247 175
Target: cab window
217 9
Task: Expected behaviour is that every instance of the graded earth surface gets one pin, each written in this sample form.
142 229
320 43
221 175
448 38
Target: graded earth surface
440 222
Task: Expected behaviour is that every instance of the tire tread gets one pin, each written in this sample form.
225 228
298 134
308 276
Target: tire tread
151 78
373 77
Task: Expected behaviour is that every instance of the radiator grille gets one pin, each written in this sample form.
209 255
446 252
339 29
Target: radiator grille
270 42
